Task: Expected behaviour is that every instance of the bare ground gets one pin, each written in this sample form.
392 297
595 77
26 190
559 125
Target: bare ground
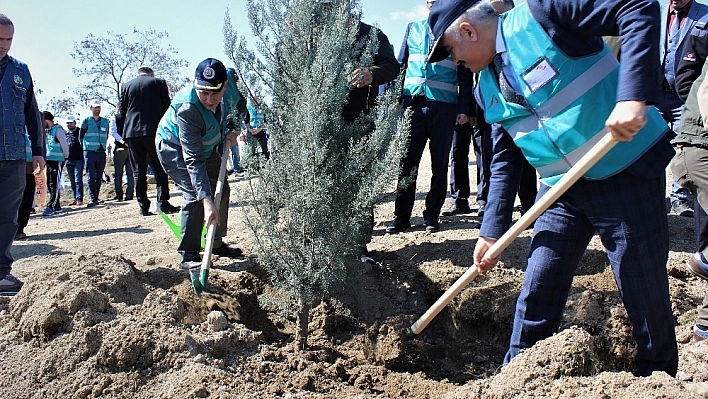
106 312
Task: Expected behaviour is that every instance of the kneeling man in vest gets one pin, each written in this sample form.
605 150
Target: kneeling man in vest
189 141
548 78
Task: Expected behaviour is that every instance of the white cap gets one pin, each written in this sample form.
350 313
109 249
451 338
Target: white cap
95 103
70 118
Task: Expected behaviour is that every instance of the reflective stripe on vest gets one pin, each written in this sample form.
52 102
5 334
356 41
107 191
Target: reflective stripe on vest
569 99
169 131
437 81
96 135
54 151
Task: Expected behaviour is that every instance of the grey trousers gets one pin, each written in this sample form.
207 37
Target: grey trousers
172 161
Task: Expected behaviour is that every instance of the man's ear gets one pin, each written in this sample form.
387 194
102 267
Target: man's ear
467 30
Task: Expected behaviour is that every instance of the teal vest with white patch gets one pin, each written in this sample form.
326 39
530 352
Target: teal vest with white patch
169 131
96 134
436 81
54 151
569 98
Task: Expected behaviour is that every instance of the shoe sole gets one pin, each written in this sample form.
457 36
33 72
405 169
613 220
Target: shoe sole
690 269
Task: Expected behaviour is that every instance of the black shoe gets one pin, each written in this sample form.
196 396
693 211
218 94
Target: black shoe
20 235
168 208
117 199
146 213
682 208
128 198
92 204
432 226
227 251
10 285
398 225
458 208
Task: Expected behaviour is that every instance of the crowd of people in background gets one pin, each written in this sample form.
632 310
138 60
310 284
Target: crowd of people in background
466 85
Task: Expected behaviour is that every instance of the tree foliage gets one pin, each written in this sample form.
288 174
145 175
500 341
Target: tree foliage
311 200
109 61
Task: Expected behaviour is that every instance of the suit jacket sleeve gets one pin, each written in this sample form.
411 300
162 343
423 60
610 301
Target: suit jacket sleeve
385 68
694 55
505 174
576 26
465 83
164 95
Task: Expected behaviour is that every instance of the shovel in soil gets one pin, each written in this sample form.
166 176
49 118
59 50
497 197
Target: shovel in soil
576 172
199 276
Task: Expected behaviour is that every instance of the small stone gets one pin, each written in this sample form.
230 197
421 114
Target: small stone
150 260
217 321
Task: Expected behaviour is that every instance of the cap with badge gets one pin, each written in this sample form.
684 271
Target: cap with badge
440 18
95 103
210 75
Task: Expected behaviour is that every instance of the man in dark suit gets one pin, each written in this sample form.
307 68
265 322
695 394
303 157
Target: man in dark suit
678 18
548 78
143 102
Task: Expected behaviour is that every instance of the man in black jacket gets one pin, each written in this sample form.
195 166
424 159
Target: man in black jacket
143 102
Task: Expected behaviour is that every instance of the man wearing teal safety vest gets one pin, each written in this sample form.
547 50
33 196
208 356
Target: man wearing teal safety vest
189 140
548 78
439 94
94 135
57 152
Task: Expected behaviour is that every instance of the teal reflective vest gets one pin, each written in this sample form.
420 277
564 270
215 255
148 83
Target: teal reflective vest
96 134
54 151
436 81
569 98
169 131
257 116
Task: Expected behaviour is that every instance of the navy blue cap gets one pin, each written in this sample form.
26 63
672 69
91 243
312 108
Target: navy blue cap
210 75
442 15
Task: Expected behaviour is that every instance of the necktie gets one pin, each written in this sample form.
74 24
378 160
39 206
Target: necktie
507 90
676 24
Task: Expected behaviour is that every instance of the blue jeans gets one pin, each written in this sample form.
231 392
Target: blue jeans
633 228
12 185
95 165
75 170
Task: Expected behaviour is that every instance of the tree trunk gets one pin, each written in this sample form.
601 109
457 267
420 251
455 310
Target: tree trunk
303 316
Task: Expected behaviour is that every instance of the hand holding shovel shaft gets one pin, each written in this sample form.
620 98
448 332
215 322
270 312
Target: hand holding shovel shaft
575 173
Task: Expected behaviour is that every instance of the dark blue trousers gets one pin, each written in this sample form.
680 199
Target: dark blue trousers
432 121
482 142
12 184
628 214
459 163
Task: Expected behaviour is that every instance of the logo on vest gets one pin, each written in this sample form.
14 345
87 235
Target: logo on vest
690 57
17 79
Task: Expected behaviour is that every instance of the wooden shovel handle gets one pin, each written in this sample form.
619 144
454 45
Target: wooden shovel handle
576 172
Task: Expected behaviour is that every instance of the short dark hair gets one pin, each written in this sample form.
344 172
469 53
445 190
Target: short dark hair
145 69
4 20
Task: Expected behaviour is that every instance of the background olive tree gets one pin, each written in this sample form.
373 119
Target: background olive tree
111 60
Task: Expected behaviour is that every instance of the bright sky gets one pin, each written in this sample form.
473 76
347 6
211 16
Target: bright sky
45 30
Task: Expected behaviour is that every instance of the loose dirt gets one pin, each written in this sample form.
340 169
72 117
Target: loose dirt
106 312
